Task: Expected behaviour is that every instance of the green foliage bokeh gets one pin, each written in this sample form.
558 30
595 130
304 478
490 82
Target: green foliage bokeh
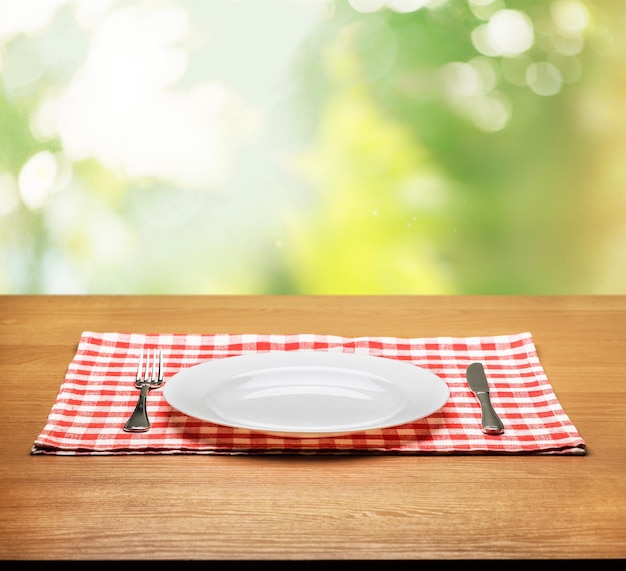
345 151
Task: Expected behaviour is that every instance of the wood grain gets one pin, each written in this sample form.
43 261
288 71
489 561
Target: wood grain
295 508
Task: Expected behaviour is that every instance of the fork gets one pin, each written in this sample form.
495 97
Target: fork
148 378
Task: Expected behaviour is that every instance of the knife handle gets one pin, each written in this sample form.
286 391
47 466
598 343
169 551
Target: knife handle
491 423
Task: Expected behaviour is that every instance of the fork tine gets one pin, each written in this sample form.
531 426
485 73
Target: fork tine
155 365
139 367
160 378
149 369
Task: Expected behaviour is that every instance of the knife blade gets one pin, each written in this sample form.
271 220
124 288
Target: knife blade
477 380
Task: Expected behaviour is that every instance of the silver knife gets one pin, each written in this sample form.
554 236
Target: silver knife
490 422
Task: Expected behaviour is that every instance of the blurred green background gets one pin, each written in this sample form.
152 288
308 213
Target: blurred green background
313 146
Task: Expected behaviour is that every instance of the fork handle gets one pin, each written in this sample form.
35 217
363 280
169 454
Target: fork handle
139 421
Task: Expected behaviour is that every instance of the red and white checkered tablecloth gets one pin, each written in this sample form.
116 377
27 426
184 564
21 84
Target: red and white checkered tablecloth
98 395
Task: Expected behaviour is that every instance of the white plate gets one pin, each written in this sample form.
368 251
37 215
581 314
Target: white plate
306 393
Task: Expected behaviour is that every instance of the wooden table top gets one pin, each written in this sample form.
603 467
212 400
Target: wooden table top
301 507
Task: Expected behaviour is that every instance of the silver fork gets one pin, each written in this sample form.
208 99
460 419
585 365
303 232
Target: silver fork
148 378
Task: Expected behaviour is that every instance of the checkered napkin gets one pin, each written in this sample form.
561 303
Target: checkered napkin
98 395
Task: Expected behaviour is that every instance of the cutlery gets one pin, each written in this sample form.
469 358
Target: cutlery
149 378
490 422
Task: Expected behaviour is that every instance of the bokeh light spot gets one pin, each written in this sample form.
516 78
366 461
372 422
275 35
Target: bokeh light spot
406 6
570 16
367 6
37 178
508 33
544 78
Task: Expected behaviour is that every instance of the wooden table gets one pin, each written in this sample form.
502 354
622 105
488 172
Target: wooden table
382 507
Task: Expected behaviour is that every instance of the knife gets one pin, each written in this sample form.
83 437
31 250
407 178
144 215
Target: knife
490 422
